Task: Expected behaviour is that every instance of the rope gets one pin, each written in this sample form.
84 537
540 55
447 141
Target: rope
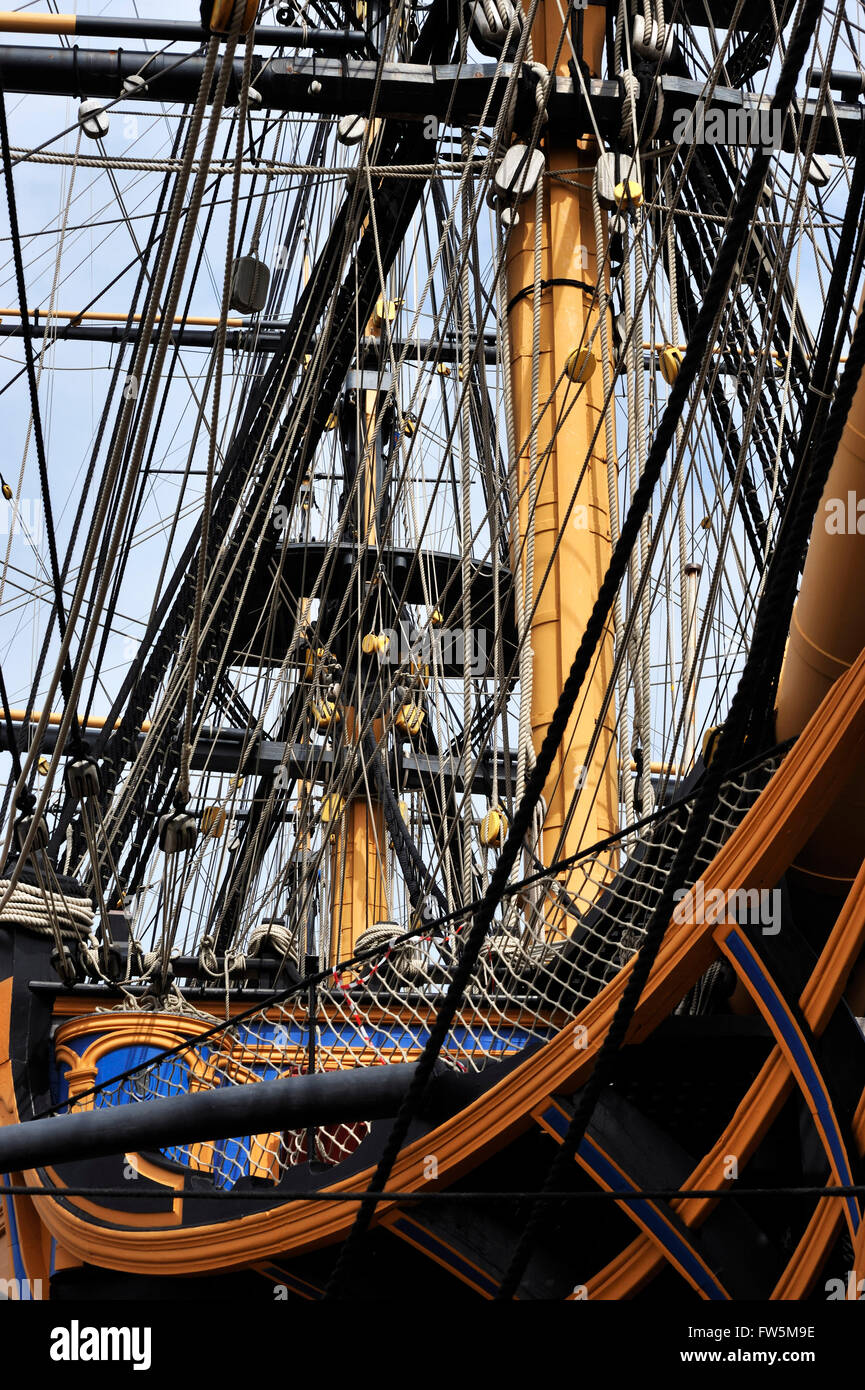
181 795
118 449
30 908
782 578
466 532
442 169
65 671
612 477
405 957
275 934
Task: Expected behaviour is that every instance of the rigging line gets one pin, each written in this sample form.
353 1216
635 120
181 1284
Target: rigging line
782 576
406 466
181 794
617 372
11 731
165 561
727 537
782 277
113 468
729 533
733 730
65 670
269 168
94 454
155 240
712 307
395 679
124 550
20 483
252 464
107 104
641 590
271 405
179 509
833 330
452 279
235 615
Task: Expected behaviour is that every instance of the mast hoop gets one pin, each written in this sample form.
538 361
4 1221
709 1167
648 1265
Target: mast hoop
548 284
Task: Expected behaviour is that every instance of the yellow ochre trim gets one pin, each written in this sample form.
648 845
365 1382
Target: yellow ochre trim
17 22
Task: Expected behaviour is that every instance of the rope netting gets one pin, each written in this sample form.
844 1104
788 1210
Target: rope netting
541 966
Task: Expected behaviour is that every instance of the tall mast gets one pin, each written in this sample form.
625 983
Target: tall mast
569 435
358 842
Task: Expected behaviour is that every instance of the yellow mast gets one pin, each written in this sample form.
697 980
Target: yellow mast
578 550
357 871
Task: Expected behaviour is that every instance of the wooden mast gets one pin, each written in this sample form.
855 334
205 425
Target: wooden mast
357 870
577 549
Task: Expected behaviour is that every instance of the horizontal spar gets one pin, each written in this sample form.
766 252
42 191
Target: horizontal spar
252 338
268 338
172 30
363 1093
454 95
222 752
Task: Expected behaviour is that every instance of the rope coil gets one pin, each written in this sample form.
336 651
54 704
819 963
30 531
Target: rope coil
43 912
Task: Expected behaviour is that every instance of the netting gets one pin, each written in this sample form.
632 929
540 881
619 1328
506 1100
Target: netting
536 973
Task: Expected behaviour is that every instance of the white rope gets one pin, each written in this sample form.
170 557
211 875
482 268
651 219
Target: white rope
30 908
441 169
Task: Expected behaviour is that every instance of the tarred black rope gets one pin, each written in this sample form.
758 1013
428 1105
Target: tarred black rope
11 731
528 290
737 233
